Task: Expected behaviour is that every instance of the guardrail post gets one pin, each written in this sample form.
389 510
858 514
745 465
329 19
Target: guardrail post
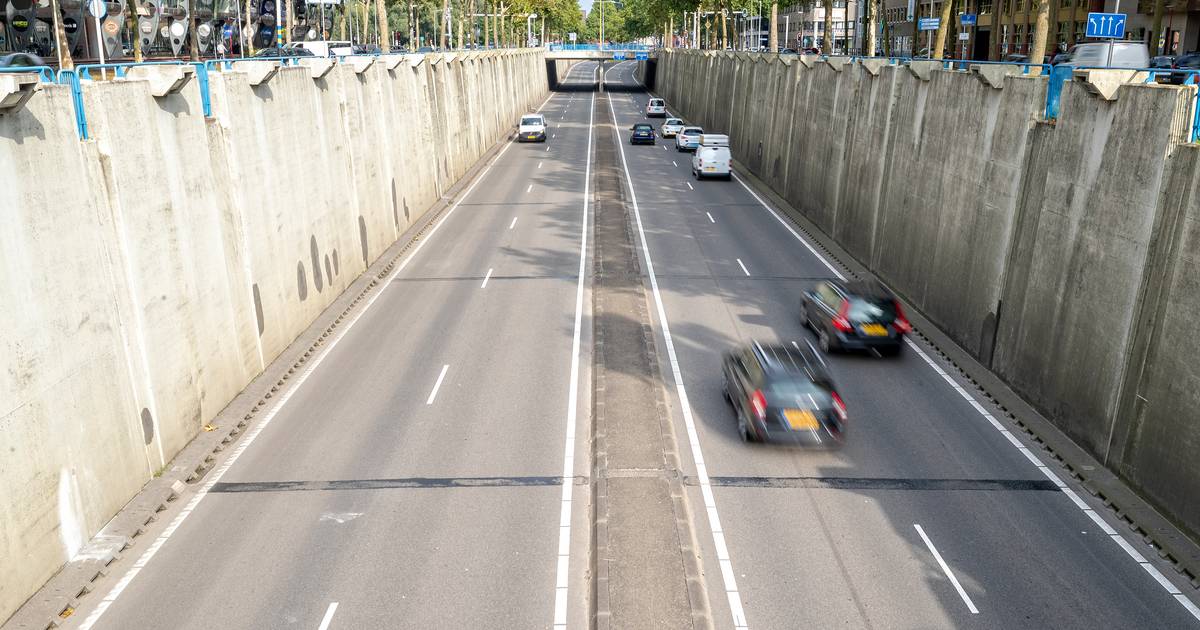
1058 76
202 81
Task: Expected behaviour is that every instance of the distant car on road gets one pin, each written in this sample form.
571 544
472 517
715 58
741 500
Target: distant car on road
426 49
859 315
783 394
787 51
671 126
656 108
1190 61
1124 54
688 138
532 128
712 158
284 51
643 133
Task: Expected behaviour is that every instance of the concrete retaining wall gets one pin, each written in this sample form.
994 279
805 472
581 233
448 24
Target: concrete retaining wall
1061 255
151 273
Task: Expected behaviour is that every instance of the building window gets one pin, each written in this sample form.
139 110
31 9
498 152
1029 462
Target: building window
985 7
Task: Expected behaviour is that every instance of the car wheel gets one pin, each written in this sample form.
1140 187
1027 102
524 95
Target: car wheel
823 342
744 430
804 316
725 393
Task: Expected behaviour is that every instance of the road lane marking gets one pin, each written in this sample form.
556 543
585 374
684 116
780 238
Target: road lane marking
437 385
328 616
743 266
710 504
486 278
253 433
673 163
689 185
710 219
785 224
547 148
563 567
530 189
539 165
946 569
514 222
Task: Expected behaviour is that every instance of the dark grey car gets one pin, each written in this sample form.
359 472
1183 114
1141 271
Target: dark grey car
855 316
783 394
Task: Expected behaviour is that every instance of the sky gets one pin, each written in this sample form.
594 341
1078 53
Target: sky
586 5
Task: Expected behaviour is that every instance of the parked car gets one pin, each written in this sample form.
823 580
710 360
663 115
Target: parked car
324 48
532 128
283 51
643 133
1062 57
712 158
787 51
859 315
1124 54
21 60
688 138
656 107
1190 61
671 126
1016 58
783 393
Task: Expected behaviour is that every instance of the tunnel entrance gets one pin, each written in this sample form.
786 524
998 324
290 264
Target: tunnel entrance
568 75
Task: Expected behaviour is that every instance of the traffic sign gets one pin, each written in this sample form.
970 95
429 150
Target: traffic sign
227 31
928 24
967 19
964 36
1106 25
619 56
573 36
641 56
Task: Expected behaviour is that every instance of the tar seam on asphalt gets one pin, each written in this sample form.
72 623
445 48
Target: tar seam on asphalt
882 483
334 485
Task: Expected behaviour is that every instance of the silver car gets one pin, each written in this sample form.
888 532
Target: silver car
671 127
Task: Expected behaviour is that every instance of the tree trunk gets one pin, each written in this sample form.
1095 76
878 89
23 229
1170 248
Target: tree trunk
773 36
1156 33
939 44
193 37
872 17
997 30
827 35
1041 25
60 37
916 34
385 29
138 57
724 30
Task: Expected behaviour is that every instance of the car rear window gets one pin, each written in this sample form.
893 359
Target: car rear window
531 120
673 121
656 102
687 131
1189 61
796 388
642 127
872 310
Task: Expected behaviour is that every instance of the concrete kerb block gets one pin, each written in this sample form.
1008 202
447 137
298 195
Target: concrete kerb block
415 60
836 63
1104 83
923 70
391 62
993 75
257 72
164 79
873 66
360 64
318 67
809 60
16 90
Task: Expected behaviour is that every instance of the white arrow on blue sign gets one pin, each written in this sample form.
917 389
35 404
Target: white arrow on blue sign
928 24
1106 25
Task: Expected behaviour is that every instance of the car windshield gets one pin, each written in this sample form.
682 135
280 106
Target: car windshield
872 310
531 120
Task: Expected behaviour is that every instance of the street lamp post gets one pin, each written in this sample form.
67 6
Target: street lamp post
529 28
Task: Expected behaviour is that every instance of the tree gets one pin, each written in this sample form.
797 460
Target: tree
939 46
1156 32
1039 34
827 36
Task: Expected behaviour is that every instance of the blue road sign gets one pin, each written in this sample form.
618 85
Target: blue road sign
641 56
967 19
1106 25
928 24
227 31
619 56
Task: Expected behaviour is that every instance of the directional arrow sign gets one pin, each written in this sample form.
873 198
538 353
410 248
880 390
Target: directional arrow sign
1106 25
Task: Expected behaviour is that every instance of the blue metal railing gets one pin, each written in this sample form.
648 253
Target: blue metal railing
45 73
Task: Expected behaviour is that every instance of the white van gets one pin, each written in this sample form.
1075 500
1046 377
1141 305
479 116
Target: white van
1124 55
712 157
324 48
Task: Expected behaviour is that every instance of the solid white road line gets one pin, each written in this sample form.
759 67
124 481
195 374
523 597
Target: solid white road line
514 222
486 278
743 266
437 385
710 504
252 434
946 569
710 219
785 224
328 616
562 577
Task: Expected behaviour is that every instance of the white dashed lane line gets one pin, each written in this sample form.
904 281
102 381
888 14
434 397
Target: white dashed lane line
437 385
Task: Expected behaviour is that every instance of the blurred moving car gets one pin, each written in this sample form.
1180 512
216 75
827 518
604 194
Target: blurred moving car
1125 54
858 315
21 60
532 128
322 48
656 107
783 394
671 126
688 138
712 157
1062 57
426 49
643 133
275 52
787 51
1190 61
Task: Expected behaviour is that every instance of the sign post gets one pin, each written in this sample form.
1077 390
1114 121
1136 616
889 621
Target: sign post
99 10
1106 26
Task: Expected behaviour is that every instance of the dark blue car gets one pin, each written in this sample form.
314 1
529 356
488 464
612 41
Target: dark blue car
643 133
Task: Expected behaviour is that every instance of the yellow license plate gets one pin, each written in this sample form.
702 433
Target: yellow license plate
710 168
874 330
801 419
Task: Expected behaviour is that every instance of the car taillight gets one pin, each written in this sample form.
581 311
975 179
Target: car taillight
901 324
759 402
841 322
839 406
